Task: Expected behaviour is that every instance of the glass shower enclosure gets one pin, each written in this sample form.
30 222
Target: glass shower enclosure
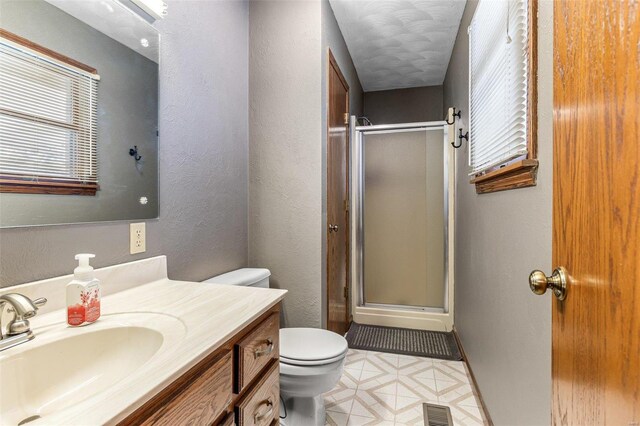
402 178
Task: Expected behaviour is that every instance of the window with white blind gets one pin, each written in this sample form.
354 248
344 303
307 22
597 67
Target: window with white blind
502 93
48 118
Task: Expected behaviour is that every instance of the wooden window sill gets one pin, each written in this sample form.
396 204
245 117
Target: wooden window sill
19 185
520 174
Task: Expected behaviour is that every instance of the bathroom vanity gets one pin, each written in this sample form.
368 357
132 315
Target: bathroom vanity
163 352
238 384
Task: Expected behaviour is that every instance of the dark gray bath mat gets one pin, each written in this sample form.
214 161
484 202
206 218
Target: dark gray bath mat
404 341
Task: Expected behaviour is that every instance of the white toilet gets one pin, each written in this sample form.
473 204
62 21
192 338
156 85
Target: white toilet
311 359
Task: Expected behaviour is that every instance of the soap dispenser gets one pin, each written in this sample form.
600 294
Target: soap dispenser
83 294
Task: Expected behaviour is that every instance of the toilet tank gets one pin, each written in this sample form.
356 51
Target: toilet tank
250 277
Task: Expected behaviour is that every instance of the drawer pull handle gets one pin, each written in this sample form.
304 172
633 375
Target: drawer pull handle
259 417
266 351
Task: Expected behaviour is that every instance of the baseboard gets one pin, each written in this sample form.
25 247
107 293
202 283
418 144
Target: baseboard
485 412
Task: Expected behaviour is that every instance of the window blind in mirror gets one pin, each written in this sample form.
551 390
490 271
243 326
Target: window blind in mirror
498 72
48 117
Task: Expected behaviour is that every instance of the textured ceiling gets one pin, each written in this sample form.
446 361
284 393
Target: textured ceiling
399 43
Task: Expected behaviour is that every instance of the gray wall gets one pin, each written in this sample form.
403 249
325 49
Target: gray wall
288 45
404 105
127 116
203 161
285 152
500 238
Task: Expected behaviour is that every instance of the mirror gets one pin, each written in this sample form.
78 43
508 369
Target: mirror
78 113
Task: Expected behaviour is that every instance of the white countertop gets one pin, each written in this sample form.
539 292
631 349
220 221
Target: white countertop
211 314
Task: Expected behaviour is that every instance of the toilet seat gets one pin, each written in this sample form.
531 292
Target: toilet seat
312 363
311 346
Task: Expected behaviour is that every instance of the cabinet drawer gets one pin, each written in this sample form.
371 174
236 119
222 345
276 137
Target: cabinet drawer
198 397
256 350
261 406
230 420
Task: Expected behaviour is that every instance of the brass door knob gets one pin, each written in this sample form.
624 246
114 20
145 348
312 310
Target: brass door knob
539 282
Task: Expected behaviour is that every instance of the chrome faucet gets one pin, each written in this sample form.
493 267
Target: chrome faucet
18 330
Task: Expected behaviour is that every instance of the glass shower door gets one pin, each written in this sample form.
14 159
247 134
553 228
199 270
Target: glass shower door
404 218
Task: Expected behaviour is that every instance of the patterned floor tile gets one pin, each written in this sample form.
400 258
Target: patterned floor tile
466 416
361 421
389 357
409 410
378 406
451 371
410 365
421 370
453 392
469 400
385 389
381 363
336 419
379 382
339 400
355 359
417 387
356 352
350 378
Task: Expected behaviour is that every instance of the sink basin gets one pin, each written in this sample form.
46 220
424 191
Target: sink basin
59 369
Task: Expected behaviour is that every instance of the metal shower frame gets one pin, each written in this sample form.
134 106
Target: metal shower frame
358 169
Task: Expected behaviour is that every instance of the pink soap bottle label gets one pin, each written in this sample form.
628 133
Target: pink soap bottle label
87 309
75 315
92 305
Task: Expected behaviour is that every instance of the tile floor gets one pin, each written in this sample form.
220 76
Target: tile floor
386 389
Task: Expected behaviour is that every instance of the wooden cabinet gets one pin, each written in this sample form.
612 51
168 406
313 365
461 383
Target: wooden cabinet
230 420
198 397
260 407
237 384
257 350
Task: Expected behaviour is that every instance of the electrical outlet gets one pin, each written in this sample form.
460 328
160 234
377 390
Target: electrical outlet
137 238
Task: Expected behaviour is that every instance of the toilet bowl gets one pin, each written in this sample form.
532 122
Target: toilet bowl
311 359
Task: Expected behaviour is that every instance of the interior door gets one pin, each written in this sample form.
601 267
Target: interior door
337 196
596 212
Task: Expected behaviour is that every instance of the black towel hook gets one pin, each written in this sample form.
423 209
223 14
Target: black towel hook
455 114
460 137
134 153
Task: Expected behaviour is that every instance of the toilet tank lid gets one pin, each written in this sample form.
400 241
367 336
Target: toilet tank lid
244 276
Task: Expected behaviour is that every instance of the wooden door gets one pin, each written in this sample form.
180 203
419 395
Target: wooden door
337 197
596 212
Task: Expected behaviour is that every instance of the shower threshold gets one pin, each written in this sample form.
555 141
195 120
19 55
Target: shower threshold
405 307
